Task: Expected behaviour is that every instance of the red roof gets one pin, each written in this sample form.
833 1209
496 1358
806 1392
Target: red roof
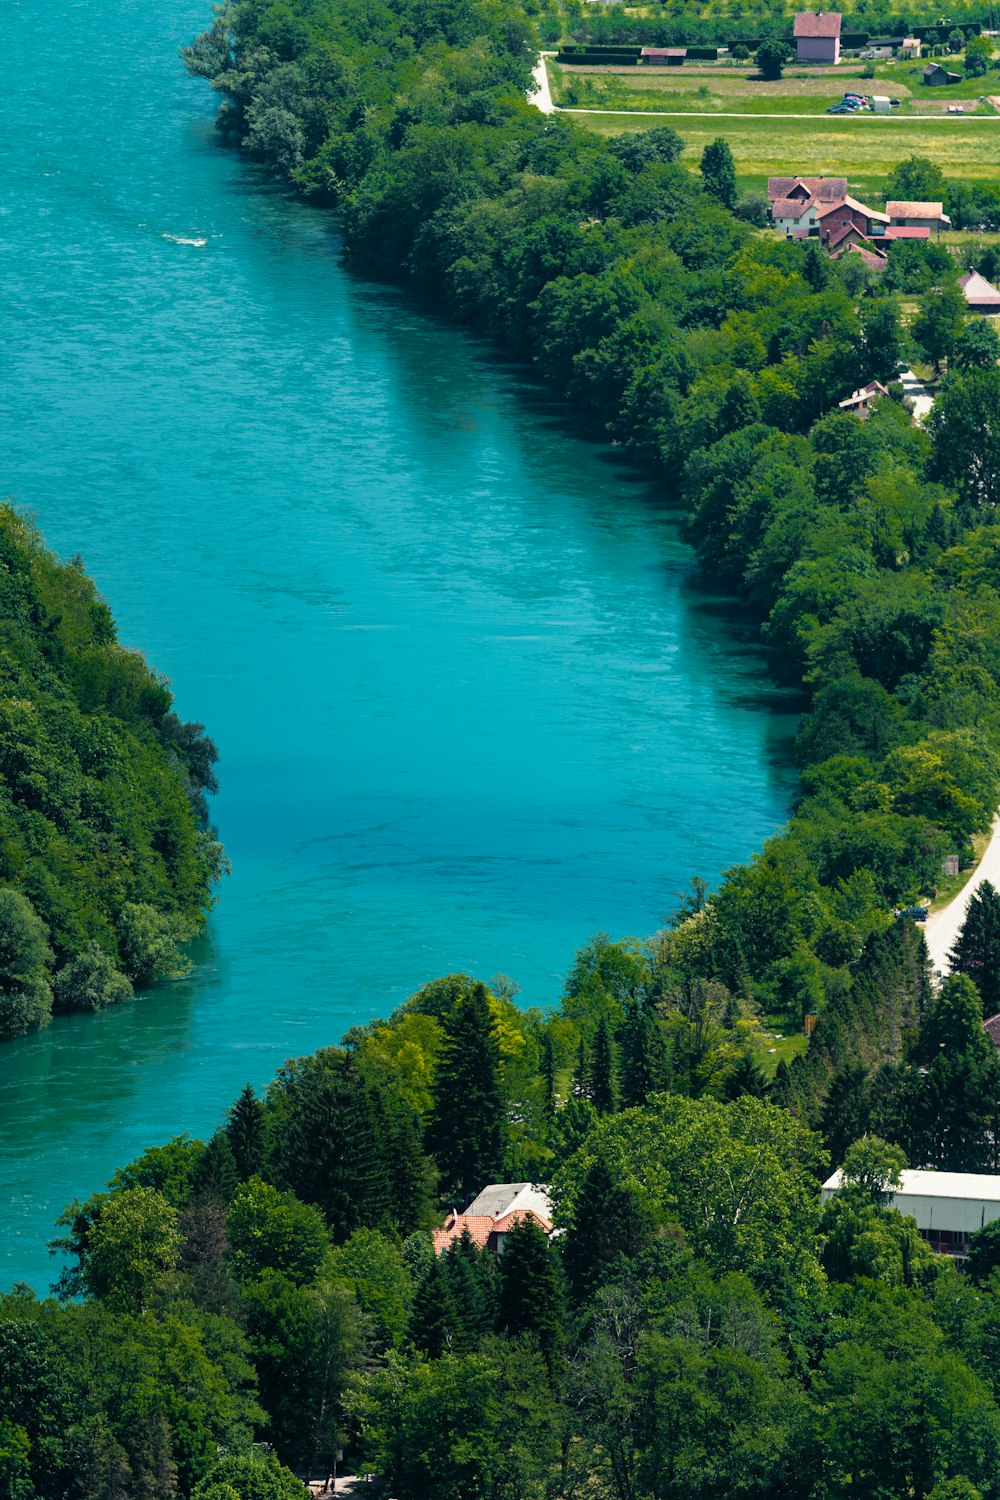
810 23
791 208
872 259
978 291
905 232
856 207
483 1228
826 189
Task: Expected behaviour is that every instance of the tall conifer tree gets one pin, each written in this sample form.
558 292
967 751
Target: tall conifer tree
467 1129
245 1129
977 947
602 1076
530 1299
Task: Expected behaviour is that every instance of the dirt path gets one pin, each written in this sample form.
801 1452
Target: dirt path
541 94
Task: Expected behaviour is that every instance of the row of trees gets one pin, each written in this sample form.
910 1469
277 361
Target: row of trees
106 862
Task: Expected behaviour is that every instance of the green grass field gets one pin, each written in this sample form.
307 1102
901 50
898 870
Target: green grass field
863 150
723 89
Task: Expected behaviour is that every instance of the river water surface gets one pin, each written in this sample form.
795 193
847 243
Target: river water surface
471 704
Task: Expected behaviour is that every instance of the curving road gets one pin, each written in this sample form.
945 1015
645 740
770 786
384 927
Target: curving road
942 927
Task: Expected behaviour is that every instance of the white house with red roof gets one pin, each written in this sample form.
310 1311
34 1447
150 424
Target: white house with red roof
817 36
493 1214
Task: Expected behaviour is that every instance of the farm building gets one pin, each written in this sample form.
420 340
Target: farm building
494 1213
817 36
860 403
934 74
893 232
823 189
981 295
948 1206
664 57
848 213
906 215
874 259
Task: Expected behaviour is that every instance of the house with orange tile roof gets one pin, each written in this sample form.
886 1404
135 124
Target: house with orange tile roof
493 1214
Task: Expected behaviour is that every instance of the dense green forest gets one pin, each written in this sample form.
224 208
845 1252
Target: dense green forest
702 1325
106 862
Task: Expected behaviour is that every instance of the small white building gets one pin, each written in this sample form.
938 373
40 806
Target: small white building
502 1198
948 1206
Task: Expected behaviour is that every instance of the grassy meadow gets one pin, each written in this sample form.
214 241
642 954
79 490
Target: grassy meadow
863 150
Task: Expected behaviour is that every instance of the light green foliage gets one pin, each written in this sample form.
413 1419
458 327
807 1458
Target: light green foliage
132 1242
875 1167
273 1231
445 1429
90 981
737 1177
374 1268
168 1169
25 995
249 1476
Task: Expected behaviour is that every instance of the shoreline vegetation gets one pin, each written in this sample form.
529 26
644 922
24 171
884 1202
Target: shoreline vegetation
718 356
702 1324
106 857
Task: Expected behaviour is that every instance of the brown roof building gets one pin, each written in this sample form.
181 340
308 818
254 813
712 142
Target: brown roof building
860 403
917 215
823 189
664 57
817 36
981 295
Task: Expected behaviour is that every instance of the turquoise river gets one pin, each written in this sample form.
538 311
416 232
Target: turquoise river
471 702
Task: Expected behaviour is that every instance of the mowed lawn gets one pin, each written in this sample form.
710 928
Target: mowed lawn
863 150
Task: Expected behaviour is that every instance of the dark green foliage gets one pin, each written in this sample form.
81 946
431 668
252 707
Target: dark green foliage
530 1297
102 856
467 1127
609 1222
602 1076
718 172
249 1476
245 1130
436 1326
977 948
771 57
216 1175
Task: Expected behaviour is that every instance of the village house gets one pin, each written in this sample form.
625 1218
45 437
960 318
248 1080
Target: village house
909 48
981 295
992 1029
848 214
493 1214
817 36
860 402
664 57
796 201
903 214
874 259
892 233
934 74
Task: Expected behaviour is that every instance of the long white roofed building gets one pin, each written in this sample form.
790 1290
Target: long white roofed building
948 1206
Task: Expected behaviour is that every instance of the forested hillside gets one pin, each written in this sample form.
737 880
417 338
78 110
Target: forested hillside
701 1325
718 355
105 862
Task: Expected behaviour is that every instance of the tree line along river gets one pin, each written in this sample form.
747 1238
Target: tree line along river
471 702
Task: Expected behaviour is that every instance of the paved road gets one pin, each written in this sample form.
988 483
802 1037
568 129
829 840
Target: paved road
691 114
941 927
541 95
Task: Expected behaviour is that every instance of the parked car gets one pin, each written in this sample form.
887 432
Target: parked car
915 913
842 109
